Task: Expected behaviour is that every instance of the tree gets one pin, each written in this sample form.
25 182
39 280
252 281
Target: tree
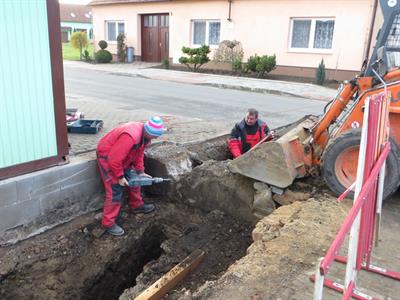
79 41
196 57
320 75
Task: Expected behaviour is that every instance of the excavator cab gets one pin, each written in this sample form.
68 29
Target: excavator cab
329 144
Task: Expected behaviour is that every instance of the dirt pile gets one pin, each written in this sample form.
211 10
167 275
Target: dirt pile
212 186
287 242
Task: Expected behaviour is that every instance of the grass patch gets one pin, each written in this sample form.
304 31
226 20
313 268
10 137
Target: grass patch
70 53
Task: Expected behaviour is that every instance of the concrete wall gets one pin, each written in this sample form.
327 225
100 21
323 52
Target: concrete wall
34 202
263 27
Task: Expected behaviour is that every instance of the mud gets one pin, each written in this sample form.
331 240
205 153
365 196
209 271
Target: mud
68 262
223 240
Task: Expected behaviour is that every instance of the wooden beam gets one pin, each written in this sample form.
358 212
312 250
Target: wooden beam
168 281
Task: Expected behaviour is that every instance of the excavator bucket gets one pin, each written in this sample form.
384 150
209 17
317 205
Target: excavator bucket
281 161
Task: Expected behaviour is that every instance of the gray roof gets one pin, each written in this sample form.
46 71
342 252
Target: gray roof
75 13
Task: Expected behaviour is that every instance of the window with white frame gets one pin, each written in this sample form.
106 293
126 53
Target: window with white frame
206 32
314 35
113 28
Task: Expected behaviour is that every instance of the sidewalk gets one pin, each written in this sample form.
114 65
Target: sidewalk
142 69
179 129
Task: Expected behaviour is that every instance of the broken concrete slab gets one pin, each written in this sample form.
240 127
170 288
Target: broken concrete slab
263 204
167 160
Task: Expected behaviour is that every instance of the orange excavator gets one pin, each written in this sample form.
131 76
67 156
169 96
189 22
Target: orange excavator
328 145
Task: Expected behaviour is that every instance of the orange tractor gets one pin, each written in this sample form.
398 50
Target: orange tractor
329 144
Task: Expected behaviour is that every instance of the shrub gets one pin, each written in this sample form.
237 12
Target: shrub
196 57
266 64
103 56
103 44
165 63
261 64
229 51
321 73
79 41
237 65
121 52
86 55
252 63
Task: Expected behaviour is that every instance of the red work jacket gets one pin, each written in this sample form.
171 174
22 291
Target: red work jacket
242 141
122 149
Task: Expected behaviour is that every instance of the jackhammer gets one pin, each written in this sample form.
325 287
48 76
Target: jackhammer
135 179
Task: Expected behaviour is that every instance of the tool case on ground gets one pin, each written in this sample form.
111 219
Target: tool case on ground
85 126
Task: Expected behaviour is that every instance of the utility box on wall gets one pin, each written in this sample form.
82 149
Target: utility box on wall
33 133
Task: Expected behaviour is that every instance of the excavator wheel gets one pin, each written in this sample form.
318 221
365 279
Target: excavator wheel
340 159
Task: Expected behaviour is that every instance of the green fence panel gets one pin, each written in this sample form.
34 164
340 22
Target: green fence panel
27 121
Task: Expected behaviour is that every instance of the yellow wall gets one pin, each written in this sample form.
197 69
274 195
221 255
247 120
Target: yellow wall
263 26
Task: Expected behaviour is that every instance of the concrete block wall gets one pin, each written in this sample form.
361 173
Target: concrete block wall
34 202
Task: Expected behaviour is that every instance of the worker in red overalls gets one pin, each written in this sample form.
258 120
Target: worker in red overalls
119 151
247 133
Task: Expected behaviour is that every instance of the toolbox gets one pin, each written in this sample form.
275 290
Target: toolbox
85 126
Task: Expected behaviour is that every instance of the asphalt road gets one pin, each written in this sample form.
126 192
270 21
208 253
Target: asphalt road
208 103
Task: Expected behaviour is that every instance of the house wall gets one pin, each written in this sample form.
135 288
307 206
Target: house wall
263 27
74 25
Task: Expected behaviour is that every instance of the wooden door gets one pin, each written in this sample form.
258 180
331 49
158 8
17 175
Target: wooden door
164 37
155 37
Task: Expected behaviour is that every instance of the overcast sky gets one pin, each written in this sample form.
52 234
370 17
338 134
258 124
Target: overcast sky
75 1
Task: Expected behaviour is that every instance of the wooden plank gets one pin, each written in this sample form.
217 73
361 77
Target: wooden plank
168 281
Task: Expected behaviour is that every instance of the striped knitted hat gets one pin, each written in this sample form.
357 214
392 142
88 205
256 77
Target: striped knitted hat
154 126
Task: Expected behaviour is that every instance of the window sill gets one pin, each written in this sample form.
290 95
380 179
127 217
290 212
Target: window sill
112 42
211 46
310 51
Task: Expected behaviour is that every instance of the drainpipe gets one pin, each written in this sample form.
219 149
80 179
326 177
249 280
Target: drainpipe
230 10
371 29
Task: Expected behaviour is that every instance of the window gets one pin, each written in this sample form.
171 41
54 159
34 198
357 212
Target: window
313 35
113 29
206 32
164 21
150 21
393 44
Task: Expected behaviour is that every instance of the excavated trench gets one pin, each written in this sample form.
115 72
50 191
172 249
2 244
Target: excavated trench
204 208
121 274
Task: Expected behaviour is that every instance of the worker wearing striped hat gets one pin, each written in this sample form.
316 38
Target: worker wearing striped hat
119 151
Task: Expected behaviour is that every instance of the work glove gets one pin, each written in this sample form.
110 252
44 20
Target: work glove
271 136
123 182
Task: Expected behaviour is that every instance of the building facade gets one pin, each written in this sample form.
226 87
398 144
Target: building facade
300 32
